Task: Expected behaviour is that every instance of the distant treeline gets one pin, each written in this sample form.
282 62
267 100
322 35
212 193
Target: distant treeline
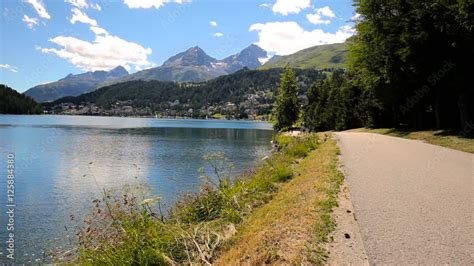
410 67
12 102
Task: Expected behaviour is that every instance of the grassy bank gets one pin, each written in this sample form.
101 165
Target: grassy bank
287 199
440 138
292 227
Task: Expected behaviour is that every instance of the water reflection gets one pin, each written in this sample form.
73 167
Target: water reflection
62 168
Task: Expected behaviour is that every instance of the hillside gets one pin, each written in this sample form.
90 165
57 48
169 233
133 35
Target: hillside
13 102
73 85
318 57
244 93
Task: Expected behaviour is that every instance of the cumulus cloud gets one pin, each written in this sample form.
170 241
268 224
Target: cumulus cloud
40 8
98 30
150 3
283 38
104 53
213 23
218 34
321 16
9 67
286 7
30 22
79 16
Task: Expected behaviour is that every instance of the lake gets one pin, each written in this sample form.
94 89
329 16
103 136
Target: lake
63 162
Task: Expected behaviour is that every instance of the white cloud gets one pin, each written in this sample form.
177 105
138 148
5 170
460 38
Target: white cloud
104 53
9 67
79 16
218 34
263 60
30 22
326 11
78 3
348 29
150 3
98 30
82 4
286 7
96 7
40 8
285 38
213 23
356 17
321 16
265 5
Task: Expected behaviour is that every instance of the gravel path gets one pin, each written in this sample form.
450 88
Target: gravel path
414 202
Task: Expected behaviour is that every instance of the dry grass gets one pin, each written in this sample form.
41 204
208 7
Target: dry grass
440 138
291 227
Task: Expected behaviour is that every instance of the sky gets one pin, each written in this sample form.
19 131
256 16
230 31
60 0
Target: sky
45 40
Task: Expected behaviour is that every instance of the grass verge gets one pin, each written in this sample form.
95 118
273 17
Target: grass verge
439 137
299 180
292 227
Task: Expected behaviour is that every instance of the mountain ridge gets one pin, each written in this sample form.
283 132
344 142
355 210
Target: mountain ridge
195 65
73 85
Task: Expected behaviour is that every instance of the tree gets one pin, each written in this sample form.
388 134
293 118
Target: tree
334 103
287 109
414 58
12 102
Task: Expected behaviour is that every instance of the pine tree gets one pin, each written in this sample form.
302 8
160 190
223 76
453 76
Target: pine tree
287 109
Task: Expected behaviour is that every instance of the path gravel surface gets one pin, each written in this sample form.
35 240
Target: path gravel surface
414 202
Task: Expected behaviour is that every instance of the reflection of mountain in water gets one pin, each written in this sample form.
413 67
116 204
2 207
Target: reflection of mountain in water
69 164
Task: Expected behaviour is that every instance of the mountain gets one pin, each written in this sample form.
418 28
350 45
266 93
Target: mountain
74 85
249 57
194 65
13 102
318 57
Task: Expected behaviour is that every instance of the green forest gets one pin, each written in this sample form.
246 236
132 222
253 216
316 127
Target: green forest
12 102
409 67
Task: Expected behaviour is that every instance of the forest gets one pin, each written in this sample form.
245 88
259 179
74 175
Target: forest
12 102
409 68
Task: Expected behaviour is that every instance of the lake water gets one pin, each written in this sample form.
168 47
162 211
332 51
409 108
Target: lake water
62 163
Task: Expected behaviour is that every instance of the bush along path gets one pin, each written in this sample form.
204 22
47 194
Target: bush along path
280 212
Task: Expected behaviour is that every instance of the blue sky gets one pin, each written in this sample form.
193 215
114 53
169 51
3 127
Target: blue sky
44 40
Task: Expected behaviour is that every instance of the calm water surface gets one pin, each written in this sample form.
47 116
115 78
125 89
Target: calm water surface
62 163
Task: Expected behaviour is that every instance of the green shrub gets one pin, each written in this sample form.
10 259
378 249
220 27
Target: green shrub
124 228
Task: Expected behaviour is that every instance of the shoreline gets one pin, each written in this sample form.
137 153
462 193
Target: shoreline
218 224
159 118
